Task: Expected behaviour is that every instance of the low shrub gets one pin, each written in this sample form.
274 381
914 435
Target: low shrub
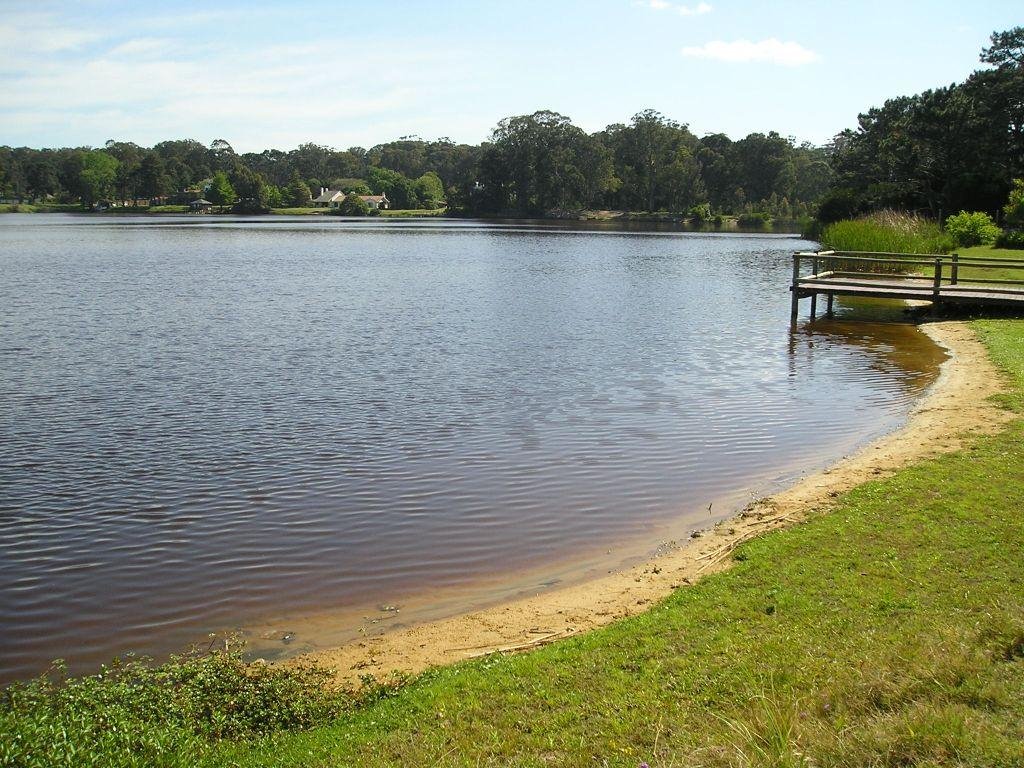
1011 238
698 214
975 228
1013 211
131 713
758 220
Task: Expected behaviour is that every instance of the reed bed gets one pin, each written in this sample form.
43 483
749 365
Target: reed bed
887 232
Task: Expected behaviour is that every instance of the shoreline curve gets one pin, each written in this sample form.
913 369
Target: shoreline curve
957 403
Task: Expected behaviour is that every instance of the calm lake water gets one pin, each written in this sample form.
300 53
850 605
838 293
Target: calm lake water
208 422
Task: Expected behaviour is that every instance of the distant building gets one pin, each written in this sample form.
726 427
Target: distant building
328 198
376 201
332 198
200 206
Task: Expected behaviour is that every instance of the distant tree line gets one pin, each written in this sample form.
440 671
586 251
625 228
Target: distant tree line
532 165
954 148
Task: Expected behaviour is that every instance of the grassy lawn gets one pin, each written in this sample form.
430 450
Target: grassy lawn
888 631
41 208
300 211
397 214
994 255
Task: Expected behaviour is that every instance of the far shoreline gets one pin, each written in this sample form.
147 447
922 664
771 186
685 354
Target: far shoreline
679 221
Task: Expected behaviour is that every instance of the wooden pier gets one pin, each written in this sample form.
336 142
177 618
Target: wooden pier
941 280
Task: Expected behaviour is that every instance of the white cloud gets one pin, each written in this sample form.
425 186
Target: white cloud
698 10
683 10
770 51
147 89
142 47
31 34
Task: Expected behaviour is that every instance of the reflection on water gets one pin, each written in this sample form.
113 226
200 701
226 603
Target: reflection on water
205 422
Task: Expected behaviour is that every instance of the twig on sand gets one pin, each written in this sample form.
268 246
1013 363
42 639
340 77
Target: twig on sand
716 555
537 641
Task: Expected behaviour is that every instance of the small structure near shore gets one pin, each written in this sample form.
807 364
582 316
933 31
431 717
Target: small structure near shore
200 206
954 280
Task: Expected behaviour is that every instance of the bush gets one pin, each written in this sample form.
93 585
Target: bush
1014 208
352 205
134 714
699 213
1011 238
887 232
753 220
972 228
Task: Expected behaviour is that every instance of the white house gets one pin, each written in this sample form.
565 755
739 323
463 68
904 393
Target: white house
332 198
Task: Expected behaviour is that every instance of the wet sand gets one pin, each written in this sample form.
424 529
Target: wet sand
956 405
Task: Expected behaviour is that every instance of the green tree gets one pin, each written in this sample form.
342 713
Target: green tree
1007 49
221 192
1013 211
273 196
429 190
297 192
353 205
151 178
41 178
542 162
97 177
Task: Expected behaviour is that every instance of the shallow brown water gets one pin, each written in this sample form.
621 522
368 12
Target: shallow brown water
207 423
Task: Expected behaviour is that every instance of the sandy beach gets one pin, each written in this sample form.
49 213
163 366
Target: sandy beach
955 405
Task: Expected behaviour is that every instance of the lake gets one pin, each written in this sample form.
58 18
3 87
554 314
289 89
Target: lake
210 423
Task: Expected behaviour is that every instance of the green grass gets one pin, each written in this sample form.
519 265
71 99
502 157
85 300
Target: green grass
165 209
888 631
887 232
41 208
299 211
395 214
994 255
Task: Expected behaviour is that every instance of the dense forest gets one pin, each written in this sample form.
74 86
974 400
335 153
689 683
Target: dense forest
533 164
952 148
942 151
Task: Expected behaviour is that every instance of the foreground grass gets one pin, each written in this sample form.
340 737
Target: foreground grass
888 631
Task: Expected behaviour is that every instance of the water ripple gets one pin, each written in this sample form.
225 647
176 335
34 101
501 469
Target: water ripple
207 421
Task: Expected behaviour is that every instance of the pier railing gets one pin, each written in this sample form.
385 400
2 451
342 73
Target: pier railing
952 277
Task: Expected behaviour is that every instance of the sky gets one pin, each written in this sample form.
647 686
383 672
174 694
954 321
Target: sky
359 73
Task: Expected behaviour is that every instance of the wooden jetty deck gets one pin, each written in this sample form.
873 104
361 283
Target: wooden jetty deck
941 280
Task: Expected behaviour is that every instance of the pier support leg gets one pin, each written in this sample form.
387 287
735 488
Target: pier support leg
831 301
794 307
814 305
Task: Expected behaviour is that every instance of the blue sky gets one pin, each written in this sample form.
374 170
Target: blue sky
358 73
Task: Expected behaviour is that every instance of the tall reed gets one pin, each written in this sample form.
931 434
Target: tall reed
887 232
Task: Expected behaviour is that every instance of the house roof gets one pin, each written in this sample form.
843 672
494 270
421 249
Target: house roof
375 198
330 196
201 201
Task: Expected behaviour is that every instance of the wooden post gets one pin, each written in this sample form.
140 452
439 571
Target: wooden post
814 295
795 305
937 284
831 299
954 269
